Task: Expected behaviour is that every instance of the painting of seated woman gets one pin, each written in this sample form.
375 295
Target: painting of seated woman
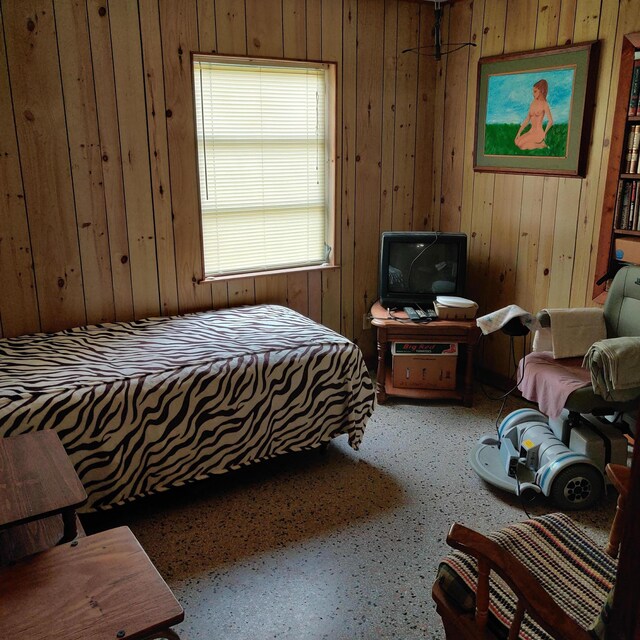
528 113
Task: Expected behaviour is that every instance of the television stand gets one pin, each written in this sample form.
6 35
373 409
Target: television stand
401 329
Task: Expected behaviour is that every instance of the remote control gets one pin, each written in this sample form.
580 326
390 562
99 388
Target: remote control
426 316
412 314
418 315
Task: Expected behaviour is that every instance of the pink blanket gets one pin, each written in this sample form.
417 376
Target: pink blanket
549 382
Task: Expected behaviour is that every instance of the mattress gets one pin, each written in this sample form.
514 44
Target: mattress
148 405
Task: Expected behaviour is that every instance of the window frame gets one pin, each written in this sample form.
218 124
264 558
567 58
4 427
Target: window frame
331 110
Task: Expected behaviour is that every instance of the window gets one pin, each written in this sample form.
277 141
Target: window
266 158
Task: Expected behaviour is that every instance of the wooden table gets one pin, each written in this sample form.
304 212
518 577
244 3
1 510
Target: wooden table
401 329
102 587
37 480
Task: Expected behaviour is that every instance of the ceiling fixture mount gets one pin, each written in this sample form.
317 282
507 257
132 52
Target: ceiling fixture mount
438 49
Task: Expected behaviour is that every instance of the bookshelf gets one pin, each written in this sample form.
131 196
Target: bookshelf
620 224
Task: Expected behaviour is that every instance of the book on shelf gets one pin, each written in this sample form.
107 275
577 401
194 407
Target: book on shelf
631 225
632 149
634 97
618 206
627 211
624 206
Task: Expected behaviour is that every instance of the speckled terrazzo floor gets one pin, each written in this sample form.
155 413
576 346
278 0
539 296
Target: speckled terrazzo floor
335 545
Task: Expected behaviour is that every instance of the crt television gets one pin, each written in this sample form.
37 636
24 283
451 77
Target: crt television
418 266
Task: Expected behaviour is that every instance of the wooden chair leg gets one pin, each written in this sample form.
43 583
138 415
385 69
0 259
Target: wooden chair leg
482 594
615 535
619 476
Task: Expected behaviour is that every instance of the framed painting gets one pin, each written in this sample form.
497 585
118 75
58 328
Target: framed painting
534 111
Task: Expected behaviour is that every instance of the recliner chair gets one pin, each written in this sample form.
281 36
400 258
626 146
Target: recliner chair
565 457
622 318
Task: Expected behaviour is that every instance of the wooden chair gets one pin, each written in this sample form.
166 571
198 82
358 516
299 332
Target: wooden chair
54 581
100 587
552 550
620 478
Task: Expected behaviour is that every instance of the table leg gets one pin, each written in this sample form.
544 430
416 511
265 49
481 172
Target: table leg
381 374
70 525
468 378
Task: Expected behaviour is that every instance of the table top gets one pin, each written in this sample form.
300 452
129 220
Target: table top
93 588
381 317
37 478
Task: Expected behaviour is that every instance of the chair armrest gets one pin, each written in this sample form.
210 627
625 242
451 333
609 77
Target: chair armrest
620 478
544 318
531 595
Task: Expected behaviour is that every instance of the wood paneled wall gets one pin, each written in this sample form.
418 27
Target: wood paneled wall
98 166
98 182
532 239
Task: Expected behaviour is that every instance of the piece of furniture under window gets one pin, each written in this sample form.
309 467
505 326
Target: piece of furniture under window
148 405
266 157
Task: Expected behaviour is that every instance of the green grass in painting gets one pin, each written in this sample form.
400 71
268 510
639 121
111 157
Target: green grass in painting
499 141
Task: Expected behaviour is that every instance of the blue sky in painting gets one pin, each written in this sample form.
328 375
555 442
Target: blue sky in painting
509 95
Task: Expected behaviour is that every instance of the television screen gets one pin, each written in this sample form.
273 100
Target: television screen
416 267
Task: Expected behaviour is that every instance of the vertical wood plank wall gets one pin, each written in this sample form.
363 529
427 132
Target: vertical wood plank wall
98 182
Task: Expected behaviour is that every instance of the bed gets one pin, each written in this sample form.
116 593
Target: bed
152 404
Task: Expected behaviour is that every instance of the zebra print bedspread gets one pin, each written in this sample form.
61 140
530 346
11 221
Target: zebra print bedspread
144 406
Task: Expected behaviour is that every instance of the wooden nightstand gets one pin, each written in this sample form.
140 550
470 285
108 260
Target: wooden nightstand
399 329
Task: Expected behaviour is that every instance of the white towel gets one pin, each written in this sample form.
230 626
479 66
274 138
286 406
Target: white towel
497 319
542 340
615 367
573 331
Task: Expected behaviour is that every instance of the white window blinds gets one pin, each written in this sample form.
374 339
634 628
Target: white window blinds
263 162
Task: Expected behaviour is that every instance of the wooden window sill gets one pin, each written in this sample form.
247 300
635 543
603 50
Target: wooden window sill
260 274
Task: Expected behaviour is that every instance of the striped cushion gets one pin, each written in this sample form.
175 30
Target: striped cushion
568 564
